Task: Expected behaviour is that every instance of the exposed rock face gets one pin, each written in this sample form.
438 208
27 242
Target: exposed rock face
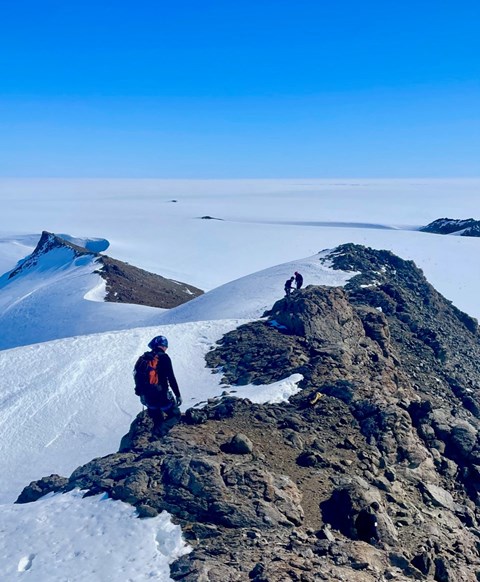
388 413
124 283
465 227
128 284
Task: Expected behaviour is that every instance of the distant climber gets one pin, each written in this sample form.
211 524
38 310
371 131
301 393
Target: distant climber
298 279
288 286
155 382
366 524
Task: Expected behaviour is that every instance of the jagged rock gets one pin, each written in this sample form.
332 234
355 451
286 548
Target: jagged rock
463 438
438 496
423 562
326 534
346 502
401 561
146 511
195 416
140 433
319 313
133 488
376 327
258 572
462 227
443 572
38 489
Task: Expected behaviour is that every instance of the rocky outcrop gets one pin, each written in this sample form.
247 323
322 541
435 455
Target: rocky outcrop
124 283
460 227
128 284
387 415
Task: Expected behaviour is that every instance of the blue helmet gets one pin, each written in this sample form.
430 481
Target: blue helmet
159 341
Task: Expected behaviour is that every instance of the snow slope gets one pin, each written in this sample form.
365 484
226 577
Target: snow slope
249 297
13 248
60 296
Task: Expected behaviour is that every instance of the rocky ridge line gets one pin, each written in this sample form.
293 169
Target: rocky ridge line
388 412
124 283
461 227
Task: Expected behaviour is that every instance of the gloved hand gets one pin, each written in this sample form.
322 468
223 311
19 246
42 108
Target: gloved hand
179 400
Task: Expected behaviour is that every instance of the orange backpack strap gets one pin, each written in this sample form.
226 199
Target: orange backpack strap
152 371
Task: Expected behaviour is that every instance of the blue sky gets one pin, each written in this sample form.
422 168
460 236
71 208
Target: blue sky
224 89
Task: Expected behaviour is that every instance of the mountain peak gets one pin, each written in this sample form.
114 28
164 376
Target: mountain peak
124 283
77 287
47 243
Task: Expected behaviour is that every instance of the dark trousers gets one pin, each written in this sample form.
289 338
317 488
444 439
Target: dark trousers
163 421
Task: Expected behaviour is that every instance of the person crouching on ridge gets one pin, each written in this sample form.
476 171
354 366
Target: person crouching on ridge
155 381
288 286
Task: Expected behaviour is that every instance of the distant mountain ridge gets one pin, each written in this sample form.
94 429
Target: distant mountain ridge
459 227
63 290
124 283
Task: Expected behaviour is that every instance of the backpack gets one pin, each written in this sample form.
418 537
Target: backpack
145 373
147 387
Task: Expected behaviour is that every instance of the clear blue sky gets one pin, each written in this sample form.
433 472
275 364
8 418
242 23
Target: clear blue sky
238 89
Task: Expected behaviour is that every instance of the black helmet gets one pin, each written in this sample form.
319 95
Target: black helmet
159 341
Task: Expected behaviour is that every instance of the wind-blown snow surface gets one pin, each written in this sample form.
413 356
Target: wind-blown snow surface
66 538
67 401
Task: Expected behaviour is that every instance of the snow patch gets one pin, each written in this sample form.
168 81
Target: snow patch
273 393
95 245
67 537
98 292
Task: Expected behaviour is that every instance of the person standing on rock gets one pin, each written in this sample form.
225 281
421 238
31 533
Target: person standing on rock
288 286
155 381
366 524
298 279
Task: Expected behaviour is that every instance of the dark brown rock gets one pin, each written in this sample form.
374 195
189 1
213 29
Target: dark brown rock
38 489
240 445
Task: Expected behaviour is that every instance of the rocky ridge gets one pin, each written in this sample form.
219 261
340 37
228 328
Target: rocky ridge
460 227
388 412
124 283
